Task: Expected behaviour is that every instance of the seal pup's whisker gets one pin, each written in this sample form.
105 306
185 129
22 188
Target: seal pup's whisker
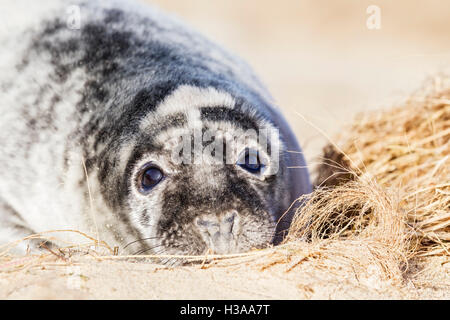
139 240
147 249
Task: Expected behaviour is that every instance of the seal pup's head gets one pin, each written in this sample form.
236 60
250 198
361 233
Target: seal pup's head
205 172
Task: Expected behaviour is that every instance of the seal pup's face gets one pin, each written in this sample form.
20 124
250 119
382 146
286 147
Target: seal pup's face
206 176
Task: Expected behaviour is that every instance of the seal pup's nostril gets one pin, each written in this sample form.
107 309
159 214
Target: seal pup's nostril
224 223
229 221
207 222
230 216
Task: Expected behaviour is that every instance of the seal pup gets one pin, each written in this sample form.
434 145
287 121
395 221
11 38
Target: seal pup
93 114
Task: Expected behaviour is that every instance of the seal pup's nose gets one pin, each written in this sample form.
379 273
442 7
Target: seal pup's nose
219 231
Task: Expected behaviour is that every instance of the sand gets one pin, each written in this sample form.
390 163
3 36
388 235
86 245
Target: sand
86 278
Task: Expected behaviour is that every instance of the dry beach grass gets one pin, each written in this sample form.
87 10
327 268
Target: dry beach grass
376 226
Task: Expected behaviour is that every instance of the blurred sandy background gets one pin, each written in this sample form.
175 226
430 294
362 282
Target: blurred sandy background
318 57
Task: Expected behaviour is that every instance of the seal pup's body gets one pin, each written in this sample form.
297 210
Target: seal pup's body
106 102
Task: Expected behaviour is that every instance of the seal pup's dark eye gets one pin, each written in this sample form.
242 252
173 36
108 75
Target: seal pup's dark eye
250 161
150 177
